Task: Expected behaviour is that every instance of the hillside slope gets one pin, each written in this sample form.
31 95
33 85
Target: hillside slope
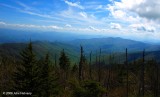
114 44
72 48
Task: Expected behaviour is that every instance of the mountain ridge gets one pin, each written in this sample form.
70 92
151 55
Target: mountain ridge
115 44
72 48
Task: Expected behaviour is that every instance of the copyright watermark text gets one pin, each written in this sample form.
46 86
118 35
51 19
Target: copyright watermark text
17 93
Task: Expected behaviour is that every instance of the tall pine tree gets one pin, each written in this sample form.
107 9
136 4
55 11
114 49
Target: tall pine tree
45 82
64 64
26 76
64 61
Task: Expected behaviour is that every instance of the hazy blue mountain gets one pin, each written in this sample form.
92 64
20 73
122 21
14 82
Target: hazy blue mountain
14 41
72 48
12 36
114 44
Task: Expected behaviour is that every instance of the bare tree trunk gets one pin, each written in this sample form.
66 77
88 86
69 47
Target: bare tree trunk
109 72
90 68
157 81
81 63
127 72
99 67
96 59
55 60
141 90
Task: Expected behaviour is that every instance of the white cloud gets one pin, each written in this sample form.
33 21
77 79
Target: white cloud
115 26
36 14
24 6
9 6
54 27
2 23
68 25
124 33
143 8
77 4
28 10
143 27
49 27
99 7
94 29
78 17
119 14
83 14
141 15
25 26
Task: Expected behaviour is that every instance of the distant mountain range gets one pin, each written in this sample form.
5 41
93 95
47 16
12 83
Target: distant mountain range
111 44
16 36
72 48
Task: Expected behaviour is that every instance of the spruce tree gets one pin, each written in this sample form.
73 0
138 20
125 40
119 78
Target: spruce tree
26 76
45 76
64 61
64 64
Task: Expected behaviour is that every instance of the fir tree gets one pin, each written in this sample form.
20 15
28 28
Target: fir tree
26 76
64 61
74 68
45 76
48 79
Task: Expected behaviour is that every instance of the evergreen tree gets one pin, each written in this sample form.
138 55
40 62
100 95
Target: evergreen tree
74 68
74 71
48 79
64 61
55 60
26 76
45 76
88 88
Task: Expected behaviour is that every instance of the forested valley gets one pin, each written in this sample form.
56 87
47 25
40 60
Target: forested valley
91 76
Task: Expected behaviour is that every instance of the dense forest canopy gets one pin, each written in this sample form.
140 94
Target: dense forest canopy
95 76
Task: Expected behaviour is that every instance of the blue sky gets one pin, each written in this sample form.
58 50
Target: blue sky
134 19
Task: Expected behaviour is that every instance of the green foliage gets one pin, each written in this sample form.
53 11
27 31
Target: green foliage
44 76
48 79
72 49
89 88
74 68
26 76
7 68
44 80
64 61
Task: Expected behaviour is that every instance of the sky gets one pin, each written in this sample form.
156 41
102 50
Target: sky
133 19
